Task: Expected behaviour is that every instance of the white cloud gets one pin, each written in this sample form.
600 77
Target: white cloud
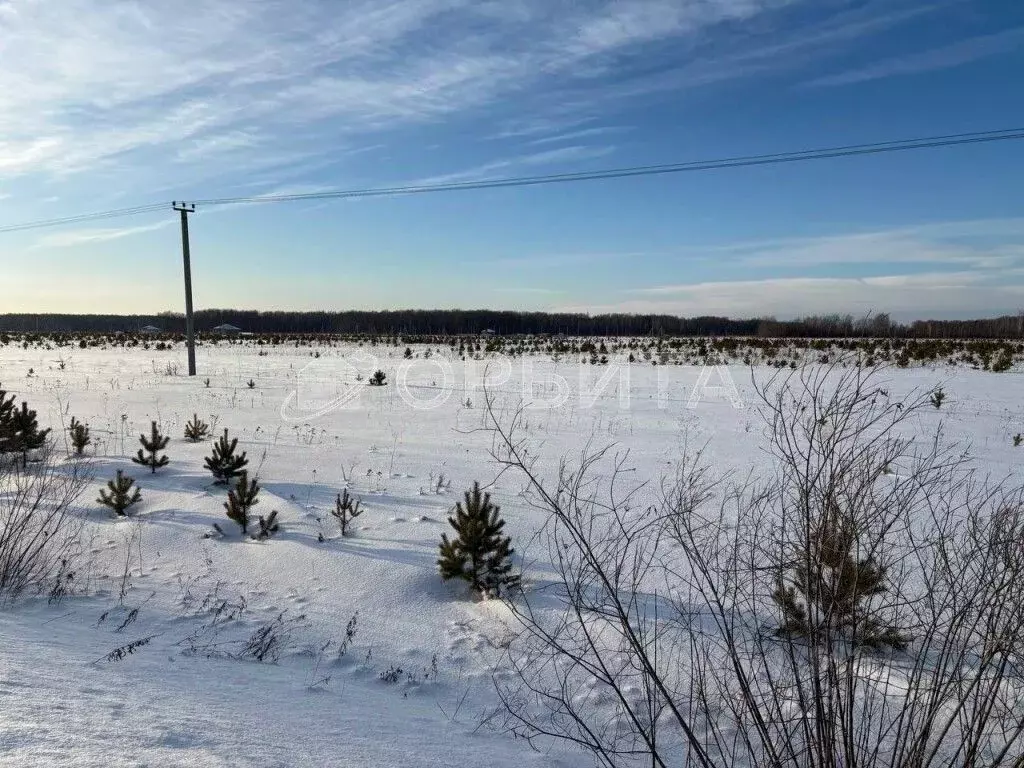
75 237
978 244
535 125
945 294
144 86
706 60
938 269
952 55
506 166
264 197
583 133
537 291
219 143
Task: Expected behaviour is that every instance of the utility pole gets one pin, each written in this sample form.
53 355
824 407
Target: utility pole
190 332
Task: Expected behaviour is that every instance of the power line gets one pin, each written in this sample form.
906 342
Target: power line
850 150
112 214
645 170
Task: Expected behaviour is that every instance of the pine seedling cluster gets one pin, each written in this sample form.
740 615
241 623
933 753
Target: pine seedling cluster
479 553
379 378
345 509
826 595
241 499
149 454
121 494
196 430
80 438
223 463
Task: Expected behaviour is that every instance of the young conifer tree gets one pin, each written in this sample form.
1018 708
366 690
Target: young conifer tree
121 494
79 436
27 435
152 446
345 509
223 463
826 595
7 428
241 499
196 430
479 554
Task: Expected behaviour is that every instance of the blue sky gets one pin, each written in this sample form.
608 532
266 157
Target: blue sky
114 104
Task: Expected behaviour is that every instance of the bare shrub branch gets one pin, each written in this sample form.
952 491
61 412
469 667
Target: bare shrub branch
39 534
661 637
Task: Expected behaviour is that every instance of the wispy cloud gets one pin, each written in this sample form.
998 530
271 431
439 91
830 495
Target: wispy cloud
985 244
982 244
952 55
943 294
937 269
505 166
541 261
756 49
537 291
263 198
142 86
95 235
100 80
226 142
584 133
519 127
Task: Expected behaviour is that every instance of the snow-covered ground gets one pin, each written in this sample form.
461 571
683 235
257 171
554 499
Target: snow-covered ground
408 450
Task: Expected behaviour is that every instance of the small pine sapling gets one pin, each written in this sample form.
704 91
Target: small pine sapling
268 526
7 430
826 595
223 463
250 384
27 435
479 554
241 499
196 430
938 397
79 436
344 510
152 446
122 495
379 378
1017 440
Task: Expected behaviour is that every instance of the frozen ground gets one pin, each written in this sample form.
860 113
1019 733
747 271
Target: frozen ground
311 428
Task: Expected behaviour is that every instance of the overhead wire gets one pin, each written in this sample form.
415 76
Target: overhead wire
644 170
85 217
742 161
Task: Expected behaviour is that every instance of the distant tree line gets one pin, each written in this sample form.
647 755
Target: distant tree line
476 321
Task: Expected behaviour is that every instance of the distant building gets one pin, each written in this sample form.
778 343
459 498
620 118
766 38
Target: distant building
226 328
150 329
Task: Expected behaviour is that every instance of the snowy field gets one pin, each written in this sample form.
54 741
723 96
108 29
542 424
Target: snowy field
408 450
